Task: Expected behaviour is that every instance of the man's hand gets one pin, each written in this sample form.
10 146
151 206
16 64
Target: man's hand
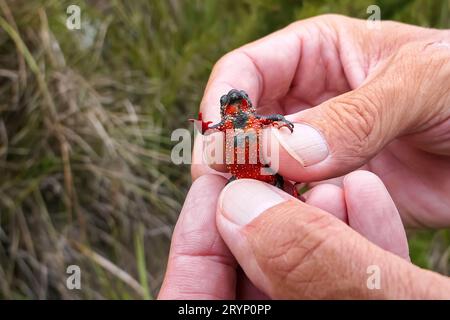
357 96
291 249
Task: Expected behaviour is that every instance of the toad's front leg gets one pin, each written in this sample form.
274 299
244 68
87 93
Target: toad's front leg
277 120
205 129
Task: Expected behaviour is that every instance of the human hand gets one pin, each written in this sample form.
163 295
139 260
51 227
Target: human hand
292 249
358 96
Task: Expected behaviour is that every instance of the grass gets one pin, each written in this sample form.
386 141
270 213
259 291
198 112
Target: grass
85 123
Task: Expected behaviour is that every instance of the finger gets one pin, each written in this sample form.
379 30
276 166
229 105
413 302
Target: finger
200 265
290 249
328 197
345 132
373 214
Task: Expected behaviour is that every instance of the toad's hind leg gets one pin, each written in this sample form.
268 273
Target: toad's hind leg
292 189
296 194
279 181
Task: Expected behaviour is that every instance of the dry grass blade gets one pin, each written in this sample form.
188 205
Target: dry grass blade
112 268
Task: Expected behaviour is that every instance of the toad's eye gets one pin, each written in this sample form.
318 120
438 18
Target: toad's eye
231 109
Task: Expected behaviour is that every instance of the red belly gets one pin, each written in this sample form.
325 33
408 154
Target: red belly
243 161
251 171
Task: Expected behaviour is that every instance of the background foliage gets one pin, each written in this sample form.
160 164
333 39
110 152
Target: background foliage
85 121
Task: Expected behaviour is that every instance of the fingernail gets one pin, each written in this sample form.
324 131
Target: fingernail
243 200
305 144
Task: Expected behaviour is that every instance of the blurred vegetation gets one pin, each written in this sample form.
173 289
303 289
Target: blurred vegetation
85 123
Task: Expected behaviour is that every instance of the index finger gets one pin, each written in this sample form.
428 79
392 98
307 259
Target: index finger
264 69
200 265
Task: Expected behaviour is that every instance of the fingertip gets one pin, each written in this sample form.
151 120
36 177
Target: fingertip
207 181
372 212
358 177
329 198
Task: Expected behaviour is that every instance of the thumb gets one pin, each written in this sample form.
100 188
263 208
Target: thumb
405 94
291 250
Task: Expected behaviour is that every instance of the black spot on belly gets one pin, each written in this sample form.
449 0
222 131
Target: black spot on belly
240 121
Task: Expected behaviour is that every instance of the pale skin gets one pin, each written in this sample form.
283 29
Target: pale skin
381 100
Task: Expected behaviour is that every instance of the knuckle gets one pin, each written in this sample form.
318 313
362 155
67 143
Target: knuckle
323 19
333 17
425 67
329 19
424 58
354 118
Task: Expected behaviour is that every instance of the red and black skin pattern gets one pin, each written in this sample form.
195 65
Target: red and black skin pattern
239 115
